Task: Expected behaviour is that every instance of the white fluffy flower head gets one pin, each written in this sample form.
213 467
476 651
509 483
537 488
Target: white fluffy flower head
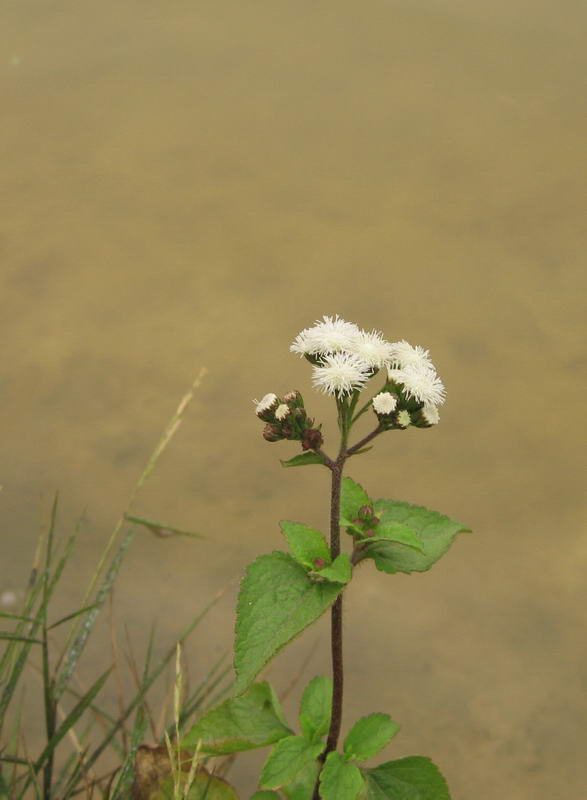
340 374
384 403
281 412
331 335
372 348
404 355
421 383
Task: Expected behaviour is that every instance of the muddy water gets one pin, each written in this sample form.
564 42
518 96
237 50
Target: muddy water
189 184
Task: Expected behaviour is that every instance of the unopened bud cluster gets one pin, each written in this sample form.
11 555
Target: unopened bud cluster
286 418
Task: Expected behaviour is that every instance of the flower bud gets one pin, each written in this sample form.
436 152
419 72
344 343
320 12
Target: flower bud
385 403
312 439
426 417
281 412
294 398
272 433
266 407
401 419
366 512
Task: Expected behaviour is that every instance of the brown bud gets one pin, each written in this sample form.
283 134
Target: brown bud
312 439
272 433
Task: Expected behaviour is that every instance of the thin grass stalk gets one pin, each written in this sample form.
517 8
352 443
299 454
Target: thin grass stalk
149 682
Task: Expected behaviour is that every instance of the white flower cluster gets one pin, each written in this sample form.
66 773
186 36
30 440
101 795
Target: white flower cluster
345 357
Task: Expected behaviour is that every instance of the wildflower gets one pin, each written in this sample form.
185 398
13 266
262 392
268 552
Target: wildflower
281 412
340 373
404 354
331 335
384 402
421 383
372 348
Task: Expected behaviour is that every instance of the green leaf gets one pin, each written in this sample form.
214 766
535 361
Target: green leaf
352 498
303 460
287 758
340 780
240 723
340 571
411 778
316 707
368 736
302 787
396 532
435 531
265 794
161 530
306 544
276 602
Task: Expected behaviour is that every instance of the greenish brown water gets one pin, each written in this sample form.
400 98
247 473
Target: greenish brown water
190 184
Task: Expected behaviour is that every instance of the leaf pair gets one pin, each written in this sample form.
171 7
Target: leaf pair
281 595
342 780
295 754
399 537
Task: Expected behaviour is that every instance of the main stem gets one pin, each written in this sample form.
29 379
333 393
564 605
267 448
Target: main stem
336 614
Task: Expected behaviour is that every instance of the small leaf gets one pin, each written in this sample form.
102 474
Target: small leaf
307 545
368 736
363 450
352 498
316 707
340 571
340 780
160 530
276 602
396 532
287 758
302 787
240 723
435 531
411 778
303 460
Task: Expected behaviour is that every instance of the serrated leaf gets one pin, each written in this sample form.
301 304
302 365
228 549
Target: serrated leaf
303 460
240 723
368 736
411 778
340 571
340 780
396 532
302 787
352 498
277 601
316 708
307 545
288 757
435 531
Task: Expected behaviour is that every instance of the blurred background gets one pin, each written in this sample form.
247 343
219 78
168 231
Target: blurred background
189 184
